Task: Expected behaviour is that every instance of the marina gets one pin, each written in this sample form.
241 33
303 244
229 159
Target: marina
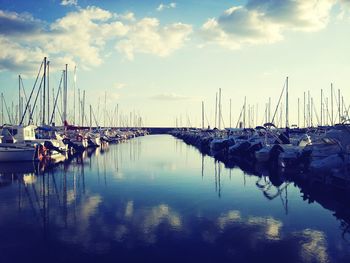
174 131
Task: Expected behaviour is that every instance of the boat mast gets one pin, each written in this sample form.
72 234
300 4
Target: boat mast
90 117
269 111
216 108
105 112
19 98
117 115
203 115
74 90
304 109
244 112
230 113
332 120
65 95
321 107
83 109
44 93
308 109
48 92
298 112
287 104
339 106
79 108
219 108
2 109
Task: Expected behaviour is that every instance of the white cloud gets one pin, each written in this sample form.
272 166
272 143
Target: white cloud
128 16
81 36
13 56
69 2
85 42
147 36
266 21
311 15
119 85
162 6
169 97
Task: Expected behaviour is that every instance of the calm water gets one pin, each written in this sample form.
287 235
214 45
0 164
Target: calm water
155 199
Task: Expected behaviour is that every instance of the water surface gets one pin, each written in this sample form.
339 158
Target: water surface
156 199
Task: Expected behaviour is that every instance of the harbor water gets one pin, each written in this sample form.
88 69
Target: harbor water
156 199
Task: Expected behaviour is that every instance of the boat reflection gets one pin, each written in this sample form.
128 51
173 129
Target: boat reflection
85 202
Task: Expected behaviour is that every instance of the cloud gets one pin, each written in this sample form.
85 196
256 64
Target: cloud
148 37
69 2
119 85
85 42
25 39
162 6
12 23
266 21
169 97
18 58
128 16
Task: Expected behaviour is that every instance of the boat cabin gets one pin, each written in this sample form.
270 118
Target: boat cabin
17 134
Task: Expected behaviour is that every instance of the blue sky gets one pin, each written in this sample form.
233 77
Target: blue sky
162 58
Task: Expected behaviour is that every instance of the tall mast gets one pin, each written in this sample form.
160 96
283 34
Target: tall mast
244 113
269 111
44 93
79 107
308 109
312 113
230 113
339 105
65 94
83 109
105 111
48 92
203 115
74 90
90 117
216 108
2 109
304 109
19 98
298 112
287 104
117 115
332 120
321 107
219 108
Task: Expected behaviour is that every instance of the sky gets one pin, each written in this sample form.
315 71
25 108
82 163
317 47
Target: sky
161 59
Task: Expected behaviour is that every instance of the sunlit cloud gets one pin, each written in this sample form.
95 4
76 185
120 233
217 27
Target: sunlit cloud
149 37
26 40
169 97
265 22
119 85
128 16
69 2
162 6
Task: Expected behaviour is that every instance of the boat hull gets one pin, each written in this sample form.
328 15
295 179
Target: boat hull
16 154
